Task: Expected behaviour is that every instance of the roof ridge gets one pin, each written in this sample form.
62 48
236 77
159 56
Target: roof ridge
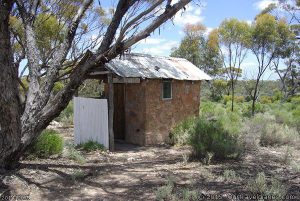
152 56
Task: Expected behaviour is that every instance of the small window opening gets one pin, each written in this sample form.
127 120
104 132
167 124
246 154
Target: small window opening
167 89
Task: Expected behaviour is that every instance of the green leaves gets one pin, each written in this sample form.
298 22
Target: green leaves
197 49
264 31
48 32
233 31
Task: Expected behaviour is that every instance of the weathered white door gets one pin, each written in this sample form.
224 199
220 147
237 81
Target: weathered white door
91 120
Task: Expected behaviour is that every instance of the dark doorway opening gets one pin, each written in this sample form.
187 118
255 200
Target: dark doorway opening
119 111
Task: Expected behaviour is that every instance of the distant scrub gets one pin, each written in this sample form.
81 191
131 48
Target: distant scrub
265 100
66 116
238 99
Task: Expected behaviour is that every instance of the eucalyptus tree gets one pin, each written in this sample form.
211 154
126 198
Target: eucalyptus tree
287 67
81 37
232 39
191 45
195 48
286 61
268 39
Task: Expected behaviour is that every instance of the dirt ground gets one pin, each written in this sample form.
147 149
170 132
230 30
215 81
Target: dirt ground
135 173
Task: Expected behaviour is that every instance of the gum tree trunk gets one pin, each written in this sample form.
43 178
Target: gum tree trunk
10 126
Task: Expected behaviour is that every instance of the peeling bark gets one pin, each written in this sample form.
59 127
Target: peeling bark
10 127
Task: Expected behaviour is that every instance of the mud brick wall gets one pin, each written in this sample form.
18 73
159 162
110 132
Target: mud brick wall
135 112
163 115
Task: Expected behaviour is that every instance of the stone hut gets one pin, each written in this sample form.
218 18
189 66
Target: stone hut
151 95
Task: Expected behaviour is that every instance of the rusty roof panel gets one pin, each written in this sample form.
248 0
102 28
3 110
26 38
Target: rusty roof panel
147 66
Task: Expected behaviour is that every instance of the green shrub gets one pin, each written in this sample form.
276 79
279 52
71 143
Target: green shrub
239 99
295 100
91 146
165 192
231 122
215 133
74 154
258 185
274 190
275 134
288 155
212 110
277 189
48 143
226 99
295 166
211 137
283 116
180 134
230 175
277 96
265 100
258 108
77 175
189 195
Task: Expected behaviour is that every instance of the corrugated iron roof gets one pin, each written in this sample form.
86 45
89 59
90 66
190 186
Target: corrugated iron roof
147 66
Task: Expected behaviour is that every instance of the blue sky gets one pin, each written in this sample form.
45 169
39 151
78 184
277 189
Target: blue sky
210 13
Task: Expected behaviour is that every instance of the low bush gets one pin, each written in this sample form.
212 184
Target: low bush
165 192
211 137
91 146
277 95
77 175
226 99
276 190
274 134
189 195
230 175
295 166
48 143
283 116
237 99
295 100
258 185
74 154
258 108
265 100
180 134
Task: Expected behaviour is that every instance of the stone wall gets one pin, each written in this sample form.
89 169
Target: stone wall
163 115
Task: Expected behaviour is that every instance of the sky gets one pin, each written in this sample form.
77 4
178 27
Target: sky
210 13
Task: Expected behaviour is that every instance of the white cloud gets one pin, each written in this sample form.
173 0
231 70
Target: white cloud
249 22
164 48
262 4
208 30
151 41
191 15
